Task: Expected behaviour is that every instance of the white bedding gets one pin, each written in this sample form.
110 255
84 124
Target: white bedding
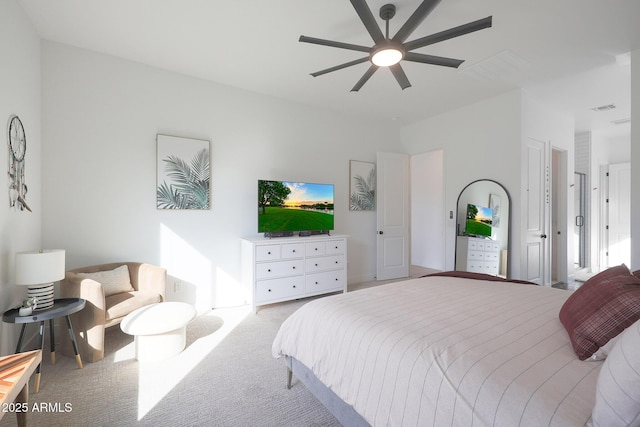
444 351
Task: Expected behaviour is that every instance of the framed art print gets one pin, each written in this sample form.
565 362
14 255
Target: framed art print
362 188
183 173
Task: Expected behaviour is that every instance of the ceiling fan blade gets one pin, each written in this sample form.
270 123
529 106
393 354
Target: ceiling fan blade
367 75
400 76
433 60
369 21
425 8
480 24
340 67
331 43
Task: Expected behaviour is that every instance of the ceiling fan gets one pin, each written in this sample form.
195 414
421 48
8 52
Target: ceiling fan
388 52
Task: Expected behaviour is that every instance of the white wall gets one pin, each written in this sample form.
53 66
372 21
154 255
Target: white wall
484 141
101 118
635 159
479 141
427 210
20 89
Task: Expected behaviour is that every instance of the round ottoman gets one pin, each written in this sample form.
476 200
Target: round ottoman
159 329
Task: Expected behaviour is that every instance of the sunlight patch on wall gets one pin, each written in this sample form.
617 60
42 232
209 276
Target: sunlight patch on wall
229 291
189 271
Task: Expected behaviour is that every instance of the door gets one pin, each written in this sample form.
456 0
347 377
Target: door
537 181
579 227
392 216
619 214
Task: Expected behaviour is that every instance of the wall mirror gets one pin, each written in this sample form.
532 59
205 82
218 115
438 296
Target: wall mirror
483 220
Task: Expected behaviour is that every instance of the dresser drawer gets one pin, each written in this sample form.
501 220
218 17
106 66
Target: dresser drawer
491 256
485 267
288 287
270 270
492 246
319 282
335 262
267 252
475 255
334 247
315 249
292 250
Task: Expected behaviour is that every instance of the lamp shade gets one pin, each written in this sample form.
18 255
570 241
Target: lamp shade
39 267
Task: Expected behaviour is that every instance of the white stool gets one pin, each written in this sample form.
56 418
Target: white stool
159 329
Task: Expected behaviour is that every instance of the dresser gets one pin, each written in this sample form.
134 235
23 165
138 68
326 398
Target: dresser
282 269
478 255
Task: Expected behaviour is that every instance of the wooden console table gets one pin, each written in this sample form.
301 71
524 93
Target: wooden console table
15 371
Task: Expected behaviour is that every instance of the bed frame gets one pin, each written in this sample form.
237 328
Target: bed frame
338 407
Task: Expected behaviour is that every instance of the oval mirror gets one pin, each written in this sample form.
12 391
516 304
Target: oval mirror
482 241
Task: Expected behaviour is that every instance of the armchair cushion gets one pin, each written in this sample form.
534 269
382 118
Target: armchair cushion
113 281
119 305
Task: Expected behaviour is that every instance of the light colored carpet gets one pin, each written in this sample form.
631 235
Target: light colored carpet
226 376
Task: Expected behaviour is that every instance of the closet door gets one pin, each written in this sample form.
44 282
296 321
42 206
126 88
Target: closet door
392 211
619 214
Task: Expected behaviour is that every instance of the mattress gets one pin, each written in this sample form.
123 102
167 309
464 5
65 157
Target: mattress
441 351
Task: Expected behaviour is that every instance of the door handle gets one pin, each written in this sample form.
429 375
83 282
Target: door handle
544 236
380 232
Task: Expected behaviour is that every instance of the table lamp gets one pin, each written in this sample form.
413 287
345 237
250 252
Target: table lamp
38 270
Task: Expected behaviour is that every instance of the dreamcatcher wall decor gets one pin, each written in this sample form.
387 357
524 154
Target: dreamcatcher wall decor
17 149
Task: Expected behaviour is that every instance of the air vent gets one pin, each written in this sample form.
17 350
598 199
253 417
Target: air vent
621 121
502 65
603 108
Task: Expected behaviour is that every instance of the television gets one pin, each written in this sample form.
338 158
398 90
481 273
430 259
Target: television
285 207
478 221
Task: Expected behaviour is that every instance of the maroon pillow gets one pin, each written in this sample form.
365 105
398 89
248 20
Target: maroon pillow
600 309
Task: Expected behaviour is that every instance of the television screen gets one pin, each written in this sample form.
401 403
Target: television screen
294 206
478 220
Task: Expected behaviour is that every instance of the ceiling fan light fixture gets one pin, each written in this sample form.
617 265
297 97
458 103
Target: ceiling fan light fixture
387 56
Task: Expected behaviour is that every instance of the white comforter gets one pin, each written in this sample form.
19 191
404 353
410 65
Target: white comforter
443 351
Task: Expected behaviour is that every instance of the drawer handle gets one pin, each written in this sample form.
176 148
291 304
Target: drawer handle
316 283
336 262
269 290
336 279
269 270
315 249
316 264
269 253
294 251
294 267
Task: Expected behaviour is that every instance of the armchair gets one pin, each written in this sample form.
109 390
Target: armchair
106 306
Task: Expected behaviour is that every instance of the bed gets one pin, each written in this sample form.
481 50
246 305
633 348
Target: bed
446 351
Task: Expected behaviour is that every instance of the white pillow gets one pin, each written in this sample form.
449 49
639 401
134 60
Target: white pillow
114 281
618 387
603 351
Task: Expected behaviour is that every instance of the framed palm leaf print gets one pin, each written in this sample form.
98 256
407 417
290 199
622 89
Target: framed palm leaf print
183 173
362 189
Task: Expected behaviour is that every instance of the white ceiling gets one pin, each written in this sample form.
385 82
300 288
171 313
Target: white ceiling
569 49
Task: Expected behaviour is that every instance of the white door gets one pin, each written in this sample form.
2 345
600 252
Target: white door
537 181
392 201
619 214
